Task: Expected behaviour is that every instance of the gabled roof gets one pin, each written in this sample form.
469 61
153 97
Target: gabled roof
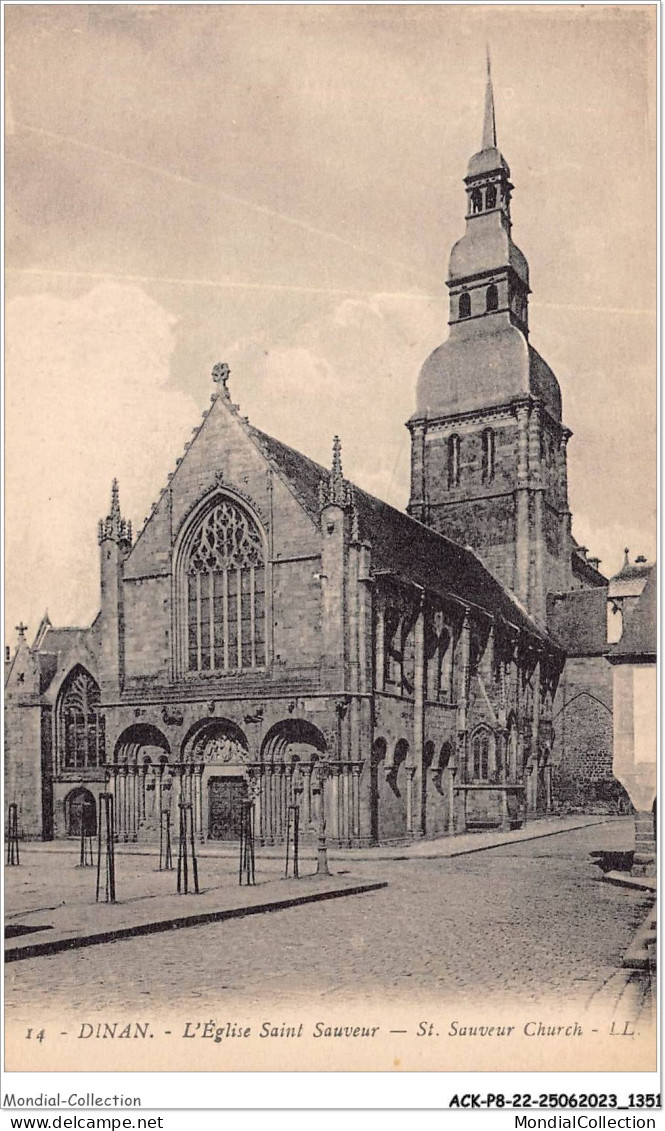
639 634
53 643
404 546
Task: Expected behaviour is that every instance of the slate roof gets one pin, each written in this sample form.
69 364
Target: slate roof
640 631
53 643
404 546
578 621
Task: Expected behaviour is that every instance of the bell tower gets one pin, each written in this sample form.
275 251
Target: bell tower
488 447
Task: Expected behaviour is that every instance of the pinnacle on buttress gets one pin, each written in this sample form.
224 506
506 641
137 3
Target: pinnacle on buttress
115 501
114 527
333 490
337 490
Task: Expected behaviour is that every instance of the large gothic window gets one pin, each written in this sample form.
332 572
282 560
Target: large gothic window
225 573
81 724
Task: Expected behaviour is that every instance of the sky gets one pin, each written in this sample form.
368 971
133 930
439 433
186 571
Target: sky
279 187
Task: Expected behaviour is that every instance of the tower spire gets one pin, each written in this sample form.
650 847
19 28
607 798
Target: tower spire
489 121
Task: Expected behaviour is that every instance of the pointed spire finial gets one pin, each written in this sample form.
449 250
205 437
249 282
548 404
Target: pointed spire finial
220 375
337 489
336 472
115 499
626 559
333 490
489 122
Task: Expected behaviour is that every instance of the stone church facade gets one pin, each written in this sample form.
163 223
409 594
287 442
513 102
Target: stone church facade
274 632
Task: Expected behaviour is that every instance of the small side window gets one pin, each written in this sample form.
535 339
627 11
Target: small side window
453 461
465 305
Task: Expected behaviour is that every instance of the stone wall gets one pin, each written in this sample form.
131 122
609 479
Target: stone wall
582 753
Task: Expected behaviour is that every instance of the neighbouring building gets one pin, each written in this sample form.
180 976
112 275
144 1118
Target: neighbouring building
272 625
634 672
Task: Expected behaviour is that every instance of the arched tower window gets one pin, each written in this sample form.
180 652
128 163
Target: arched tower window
476 200
490 196
453 460
81 726
465 305
224 568
488 455
492 298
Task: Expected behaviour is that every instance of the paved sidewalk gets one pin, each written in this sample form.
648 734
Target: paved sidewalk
440 848
75 924
50 901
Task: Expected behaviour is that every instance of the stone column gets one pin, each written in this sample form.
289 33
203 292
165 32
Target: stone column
418 472
198 802
356 770
333 800
532 783
462 720
345 831
380 641
270 803
307 794
122 803
502 755
451 775
419 719
133 800
410 775
522 534
566 538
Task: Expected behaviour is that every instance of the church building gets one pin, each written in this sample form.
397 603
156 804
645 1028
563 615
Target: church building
275 633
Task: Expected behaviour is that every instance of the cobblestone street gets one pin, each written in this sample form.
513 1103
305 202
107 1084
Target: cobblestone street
526 923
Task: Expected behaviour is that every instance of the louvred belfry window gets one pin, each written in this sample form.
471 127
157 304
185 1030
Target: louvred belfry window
81 724
225 592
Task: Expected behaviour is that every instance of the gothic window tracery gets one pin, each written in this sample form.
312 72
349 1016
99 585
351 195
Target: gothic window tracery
225 578
82 740
481 754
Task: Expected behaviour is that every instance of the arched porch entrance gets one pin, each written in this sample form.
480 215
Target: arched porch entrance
80 812
285 775
215 758
139 781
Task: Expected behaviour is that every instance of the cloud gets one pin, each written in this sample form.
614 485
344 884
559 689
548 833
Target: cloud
349 370
87 398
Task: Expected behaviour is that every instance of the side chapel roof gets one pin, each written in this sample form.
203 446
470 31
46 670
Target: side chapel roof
403 545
